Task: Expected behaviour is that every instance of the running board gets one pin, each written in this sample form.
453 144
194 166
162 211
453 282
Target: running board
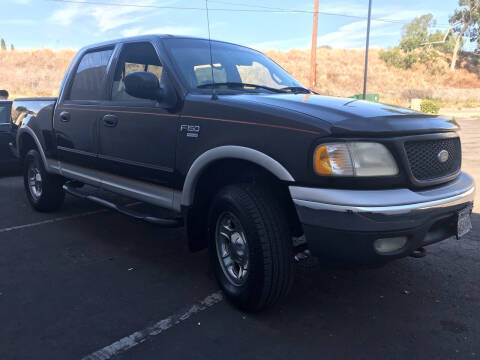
177 222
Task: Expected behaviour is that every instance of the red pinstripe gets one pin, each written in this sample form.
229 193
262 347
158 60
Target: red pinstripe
199 117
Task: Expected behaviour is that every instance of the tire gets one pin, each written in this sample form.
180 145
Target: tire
44 191
253 258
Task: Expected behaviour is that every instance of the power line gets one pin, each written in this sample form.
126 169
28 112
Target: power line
258 9
308 11
319 12
127 5
249 5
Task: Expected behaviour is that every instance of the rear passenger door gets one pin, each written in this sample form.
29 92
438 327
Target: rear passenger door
77 113
137 136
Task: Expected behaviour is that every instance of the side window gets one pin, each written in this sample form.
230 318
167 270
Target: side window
89 78
135 57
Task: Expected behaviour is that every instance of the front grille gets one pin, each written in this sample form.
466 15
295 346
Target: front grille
423 158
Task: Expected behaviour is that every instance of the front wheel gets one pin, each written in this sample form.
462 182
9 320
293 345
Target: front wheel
44 191
250 246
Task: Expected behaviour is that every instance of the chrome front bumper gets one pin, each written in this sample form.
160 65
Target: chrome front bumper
385 202
335 218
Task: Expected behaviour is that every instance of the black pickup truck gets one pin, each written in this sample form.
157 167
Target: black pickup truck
256 167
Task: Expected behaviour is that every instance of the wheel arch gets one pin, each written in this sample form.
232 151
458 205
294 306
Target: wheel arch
228 165
229 152
26 140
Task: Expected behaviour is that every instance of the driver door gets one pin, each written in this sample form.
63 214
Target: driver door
137 137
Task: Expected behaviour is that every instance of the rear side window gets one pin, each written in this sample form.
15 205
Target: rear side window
89 80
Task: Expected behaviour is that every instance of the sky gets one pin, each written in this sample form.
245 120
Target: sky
61 24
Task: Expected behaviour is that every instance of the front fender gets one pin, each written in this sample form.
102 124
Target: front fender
229 152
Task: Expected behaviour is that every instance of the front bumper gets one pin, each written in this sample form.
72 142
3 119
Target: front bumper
342 225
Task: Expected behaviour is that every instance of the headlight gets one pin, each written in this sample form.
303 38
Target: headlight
354 159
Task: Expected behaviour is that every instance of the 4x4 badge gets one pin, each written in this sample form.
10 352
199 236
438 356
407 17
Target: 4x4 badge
443 156
192 130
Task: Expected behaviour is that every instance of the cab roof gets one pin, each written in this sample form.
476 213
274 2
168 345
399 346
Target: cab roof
152 37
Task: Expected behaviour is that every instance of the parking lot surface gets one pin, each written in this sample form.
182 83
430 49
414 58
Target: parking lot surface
88 283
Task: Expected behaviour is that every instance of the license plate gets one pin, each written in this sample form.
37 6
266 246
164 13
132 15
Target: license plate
464 223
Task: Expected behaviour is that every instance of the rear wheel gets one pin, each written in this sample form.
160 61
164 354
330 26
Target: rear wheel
44 191
250 246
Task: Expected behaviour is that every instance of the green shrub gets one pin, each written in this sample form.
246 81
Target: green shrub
430 106
396 57
431 59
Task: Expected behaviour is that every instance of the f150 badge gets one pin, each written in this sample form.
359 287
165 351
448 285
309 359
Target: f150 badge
191 130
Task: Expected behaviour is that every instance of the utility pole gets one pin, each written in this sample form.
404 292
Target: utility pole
313 52
366 50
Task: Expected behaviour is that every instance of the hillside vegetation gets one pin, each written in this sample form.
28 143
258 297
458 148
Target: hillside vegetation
339 73
33 73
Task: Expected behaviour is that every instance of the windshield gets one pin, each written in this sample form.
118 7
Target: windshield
234 67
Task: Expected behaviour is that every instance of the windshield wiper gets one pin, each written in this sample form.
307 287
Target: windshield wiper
241 85
296 90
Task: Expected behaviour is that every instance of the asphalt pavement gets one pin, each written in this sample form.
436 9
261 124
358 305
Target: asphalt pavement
76 284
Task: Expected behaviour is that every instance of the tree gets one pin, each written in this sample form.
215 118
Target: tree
3 45
465 21
419 44
444 42
12 48
417 33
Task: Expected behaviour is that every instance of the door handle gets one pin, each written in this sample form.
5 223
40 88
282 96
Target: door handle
65 116
110 120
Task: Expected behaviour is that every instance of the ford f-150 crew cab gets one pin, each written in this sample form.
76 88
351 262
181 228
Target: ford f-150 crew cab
256 167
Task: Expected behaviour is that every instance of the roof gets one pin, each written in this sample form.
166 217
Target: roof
153 37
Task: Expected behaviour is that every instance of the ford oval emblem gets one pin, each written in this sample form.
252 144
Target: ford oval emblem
443 156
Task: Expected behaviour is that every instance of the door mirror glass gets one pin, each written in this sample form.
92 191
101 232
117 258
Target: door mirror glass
144 85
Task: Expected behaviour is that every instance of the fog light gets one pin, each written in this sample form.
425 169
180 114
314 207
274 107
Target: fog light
389 244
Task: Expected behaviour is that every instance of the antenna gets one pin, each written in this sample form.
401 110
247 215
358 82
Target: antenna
214 93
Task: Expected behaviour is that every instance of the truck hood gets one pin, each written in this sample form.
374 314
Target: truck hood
348 116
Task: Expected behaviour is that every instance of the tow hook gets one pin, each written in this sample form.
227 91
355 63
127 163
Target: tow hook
419 253
303 255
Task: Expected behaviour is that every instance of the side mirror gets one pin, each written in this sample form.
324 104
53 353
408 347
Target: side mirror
144 85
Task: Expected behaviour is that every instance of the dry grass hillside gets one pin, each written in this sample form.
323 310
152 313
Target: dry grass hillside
33 73
339 72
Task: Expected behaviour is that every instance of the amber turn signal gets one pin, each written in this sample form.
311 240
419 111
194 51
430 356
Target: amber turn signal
321 161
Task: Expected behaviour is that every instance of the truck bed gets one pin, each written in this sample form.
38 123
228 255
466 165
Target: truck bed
41 109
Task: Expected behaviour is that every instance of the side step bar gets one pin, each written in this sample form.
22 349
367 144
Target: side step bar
177 222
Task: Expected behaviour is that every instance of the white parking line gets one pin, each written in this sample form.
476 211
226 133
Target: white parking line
141 336
49 221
